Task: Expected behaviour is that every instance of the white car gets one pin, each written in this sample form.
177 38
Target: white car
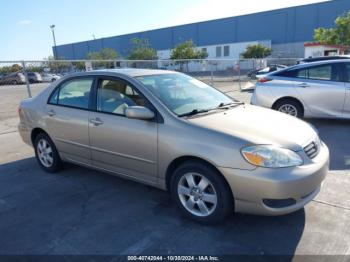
50 77
317 89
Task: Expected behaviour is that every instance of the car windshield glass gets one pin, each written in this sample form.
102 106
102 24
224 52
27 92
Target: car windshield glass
183 94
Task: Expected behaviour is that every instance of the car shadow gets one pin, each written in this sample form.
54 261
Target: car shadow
336 134
82 211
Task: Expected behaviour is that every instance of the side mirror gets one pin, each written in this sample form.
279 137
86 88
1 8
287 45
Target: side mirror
139 112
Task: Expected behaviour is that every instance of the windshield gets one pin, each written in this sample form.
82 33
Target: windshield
183 94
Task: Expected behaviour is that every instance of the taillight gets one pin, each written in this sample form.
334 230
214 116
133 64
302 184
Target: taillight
264 80
19 111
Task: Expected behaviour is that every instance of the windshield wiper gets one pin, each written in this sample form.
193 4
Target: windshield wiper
194 112
230 104
220 106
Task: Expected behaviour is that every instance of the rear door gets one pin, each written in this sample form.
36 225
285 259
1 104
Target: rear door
67 114
321 89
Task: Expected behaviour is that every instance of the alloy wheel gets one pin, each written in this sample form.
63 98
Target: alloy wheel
45 153
288 109
197 194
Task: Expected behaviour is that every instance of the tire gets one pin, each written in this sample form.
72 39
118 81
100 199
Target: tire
45 149
14 82
218 208
290 107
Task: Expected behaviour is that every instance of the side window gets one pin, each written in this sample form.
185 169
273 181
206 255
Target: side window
75 93
321 72
301 73
114 96
54 97
287 73
347 72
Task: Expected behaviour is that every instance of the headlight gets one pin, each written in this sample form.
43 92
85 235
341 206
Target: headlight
271 156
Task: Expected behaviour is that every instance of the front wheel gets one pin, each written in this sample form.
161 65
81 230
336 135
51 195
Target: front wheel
46 153
201 193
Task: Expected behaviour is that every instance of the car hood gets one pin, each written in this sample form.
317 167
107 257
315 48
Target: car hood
257 125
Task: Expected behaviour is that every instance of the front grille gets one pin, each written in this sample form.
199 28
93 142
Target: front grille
312 149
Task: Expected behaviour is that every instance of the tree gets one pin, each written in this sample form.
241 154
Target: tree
10 69
257 51
103 54
56 66
339 35
187 50
141 50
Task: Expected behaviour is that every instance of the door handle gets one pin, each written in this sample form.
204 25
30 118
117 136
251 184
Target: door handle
96 121
51 112
303 85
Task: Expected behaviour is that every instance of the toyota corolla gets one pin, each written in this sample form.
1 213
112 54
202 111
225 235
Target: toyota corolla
214 155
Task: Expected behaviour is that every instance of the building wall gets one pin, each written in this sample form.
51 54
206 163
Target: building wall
290 26
288 50
234 50
321 50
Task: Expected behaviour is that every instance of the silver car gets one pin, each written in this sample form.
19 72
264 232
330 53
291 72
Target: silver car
318 89
213 154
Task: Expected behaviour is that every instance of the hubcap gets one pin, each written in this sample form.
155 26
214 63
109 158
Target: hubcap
197 194
45 154
288 109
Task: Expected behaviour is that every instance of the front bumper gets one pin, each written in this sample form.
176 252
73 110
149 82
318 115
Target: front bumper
301 184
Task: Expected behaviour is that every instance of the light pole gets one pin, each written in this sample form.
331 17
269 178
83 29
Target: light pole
54 41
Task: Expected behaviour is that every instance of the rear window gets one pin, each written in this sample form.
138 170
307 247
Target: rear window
73 93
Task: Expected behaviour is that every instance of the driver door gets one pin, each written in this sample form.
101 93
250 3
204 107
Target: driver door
120 144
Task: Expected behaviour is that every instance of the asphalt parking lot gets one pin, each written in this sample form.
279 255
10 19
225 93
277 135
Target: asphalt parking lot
81 211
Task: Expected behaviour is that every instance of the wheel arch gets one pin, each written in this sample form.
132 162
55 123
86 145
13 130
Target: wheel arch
35 132
181 160
288 98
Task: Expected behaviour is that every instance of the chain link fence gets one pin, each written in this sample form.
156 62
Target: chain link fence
233 75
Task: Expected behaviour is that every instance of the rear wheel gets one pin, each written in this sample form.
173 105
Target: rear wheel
201 193
290 107
46 153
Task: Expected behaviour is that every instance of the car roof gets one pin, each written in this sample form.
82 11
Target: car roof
134 72
325 62
320 63
321 58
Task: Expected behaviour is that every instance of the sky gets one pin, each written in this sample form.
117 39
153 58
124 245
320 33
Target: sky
25 32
